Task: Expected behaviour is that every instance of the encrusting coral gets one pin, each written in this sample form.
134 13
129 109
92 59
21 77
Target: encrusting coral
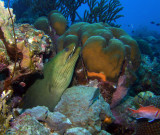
21 55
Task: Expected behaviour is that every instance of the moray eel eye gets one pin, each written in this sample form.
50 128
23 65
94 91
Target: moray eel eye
66 49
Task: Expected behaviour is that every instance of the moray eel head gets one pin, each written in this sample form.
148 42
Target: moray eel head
68 56
63 67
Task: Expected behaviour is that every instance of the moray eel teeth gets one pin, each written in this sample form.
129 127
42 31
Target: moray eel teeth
58 73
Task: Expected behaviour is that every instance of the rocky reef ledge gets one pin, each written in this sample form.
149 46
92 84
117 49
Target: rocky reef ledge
71 116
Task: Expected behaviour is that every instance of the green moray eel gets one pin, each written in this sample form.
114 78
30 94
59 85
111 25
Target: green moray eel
57 76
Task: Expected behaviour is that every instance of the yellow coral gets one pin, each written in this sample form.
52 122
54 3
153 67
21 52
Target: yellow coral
106 49
105 59
58 22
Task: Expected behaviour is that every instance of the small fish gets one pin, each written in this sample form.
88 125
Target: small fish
152 22
94 98
149 112
158 24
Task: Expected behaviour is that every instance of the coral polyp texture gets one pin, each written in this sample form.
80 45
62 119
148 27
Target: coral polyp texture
27 50
106 49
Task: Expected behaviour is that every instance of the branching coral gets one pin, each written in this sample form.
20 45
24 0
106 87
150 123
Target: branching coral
103 11
71 7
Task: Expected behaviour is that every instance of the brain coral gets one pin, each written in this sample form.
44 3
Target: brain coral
58 22
105 48
42 23
104 59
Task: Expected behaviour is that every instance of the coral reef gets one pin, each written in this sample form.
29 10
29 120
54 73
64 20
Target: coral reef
55 25
144 47
143 98
32 47
104 72
103 47
148 78
124 120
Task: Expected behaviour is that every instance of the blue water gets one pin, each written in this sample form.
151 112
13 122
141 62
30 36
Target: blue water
137 13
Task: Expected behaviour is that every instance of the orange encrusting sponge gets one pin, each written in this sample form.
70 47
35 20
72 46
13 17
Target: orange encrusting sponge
100 75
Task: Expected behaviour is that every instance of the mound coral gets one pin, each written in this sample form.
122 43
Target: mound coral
111 57
42 23
106 49
58 22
